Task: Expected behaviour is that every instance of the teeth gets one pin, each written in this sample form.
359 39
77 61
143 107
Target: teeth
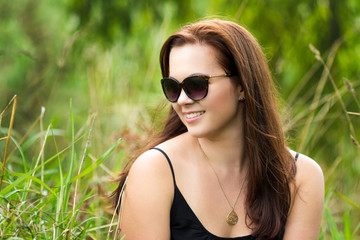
195 114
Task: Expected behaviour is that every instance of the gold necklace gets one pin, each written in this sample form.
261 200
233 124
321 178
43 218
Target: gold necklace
232 218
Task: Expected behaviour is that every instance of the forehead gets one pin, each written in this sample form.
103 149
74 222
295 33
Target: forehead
191 59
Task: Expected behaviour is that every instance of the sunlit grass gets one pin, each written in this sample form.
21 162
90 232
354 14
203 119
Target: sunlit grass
342 213
56 197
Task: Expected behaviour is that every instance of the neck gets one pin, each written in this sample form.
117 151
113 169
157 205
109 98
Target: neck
229 153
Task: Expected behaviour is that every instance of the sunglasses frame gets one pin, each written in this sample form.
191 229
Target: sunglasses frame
181 84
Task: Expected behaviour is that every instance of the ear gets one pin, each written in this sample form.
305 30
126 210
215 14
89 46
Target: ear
241 93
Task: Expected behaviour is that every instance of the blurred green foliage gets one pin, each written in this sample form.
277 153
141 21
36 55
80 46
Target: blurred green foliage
103 54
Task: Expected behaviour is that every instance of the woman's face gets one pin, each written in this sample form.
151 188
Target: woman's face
218 113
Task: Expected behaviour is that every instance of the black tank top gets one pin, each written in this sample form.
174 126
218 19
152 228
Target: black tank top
184 224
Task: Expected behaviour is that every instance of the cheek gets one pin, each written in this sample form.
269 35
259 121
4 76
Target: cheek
177 109
226 97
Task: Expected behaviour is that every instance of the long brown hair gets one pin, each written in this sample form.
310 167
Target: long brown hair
271 166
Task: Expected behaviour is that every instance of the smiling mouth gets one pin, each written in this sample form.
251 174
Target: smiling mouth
193 115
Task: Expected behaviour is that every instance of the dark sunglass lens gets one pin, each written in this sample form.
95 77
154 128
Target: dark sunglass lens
196 87
171 89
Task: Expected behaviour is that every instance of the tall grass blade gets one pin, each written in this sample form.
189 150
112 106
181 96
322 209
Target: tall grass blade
355 142
347 231
304 135
351 89
98 162
117 210
23 157
67 183
14 100
82 159
25 135
59 202
37 161
356 229
35 179
337 92
347 200
42 152
333 229
73 215
21 179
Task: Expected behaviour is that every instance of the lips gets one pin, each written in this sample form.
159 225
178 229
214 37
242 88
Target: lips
193 114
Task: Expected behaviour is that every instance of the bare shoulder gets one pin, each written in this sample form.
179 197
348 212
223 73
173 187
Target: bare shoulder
147 198
308 171
305 215
150 164
149 174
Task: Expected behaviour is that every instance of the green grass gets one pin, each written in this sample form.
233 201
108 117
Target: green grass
55 197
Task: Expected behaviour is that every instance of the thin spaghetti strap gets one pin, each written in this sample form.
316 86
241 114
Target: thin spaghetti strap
168 159
296 156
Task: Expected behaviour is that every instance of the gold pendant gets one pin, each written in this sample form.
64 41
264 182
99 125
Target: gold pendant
232 218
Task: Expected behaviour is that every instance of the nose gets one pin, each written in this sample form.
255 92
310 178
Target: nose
184 99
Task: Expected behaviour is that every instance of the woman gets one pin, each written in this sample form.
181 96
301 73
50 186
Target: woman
220 168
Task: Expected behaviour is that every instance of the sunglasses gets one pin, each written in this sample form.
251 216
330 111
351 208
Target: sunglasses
195 87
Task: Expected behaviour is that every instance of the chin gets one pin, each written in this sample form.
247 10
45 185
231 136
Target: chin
197 132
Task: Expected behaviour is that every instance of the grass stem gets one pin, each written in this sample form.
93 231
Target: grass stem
14 100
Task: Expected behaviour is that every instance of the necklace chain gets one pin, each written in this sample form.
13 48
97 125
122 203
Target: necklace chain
232 217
